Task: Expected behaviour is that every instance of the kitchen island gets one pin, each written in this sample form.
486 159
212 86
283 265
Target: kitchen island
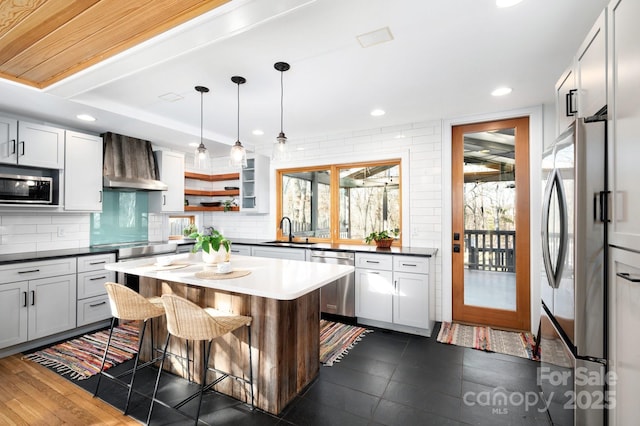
282 296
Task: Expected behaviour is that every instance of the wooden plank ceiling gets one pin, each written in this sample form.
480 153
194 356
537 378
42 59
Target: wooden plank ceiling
45 41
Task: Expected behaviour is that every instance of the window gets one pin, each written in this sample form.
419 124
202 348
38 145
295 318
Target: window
340 203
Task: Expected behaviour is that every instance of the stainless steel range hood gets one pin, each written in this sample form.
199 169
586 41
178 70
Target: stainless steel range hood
129 164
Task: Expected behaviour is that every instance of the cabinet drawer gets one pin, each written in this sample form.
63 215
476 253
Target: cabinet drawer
374 261
95 263
40 269
92 283
93 309
241 250
418 265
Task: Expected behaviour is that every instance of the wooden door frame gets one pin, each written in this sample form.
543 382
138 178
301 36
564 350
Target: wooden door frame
521 318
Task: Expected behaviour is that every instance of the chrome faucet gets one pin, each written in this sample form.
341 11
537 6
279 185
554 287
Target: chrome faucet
290 234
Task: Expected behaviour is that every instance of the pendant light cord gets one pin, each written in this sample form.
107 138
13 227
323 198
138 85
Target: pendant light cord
201 114
238 112
281 101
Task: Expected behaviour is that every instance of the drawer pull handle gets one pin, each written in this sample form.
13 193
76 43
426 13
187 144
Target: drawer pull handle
409 264
98 263
95 305
98 278
372 261
29 271
628 277
373 272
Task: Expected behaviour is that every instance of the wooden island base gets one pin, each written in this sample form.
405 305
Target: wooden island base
285 339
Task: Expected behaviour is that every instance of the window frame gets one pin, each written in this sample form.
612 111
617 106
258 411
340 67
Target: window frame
334 170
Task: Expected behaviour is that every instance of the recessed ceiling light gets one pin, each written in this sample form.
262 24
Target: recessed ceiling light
377 112
258 132
501 91
507 3
171 97
381 35
85 117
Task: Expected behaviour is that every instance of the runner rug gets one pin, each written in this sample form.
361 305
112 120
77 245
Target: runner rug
336 339
487 339
81 358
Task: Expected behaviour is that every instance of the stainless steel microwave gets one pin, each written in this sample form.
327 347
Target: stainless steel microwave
19 189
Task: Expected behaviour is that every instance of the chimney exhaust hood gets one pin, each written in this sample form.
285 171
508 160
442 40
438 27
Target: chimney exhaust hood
129 164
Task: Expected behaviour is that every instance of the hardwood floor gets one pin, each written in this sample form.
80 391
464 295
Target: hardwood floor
33 395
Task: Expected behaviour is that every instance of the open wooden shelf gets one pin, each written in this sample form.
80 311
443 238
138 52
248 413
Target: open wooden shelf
209 209
212 178
204 193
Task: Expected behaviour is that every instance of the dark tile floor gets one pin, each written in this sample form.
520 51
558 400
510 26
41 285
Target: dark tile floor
387 379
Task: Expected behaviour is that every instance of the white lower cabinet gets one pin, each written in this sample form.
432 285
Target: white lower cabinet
392 291
93 302
33 305
279 252
241 250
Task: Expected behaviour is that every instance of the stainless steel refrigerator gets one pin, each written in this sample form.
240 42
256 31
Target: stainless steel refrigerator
573 316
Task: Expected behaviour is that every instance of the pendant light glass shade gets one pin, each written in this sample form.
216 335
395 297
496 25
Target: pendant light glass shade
280 146
238 155
201 155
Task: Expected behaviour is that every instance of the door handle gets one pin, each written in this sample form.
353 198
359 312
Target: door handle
22 143
33 297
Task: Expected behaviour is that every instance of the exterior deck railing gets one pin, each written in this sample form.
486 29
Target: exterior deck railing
490 250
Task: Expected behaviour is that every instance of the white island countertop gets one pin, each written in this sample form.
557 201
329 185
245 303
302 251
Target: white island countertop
280 279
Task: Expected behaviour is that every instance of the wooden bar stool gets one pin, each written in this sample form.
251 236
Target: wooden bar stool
188 321
129 305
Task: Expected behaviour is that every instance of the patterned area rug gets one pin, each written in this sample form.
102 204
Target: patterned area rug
81 358
336 339
520 344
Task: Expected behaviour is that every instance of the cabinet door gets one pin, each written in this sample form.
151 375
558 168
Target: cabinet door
592 70
624 93
624 352
374 294
13 313
52 305
171 167
566 102
8 140
254 187
40 145
83 172
411 300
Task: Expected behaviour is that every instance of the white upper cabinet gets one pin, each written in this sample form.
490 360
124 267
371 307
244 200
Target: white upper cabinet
566 99
254 185
624 124
83 172
591 69
171 167
8 140
35 145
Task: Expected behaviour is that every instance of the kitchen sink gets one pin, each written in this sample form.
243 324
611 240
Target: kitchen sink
289 244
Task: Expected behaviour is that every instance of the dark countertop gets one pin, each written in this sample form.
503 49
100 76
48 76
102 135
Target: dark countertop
52 254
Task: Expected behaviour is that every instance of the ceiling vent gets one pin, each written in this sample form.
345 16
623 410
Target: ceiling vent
382 35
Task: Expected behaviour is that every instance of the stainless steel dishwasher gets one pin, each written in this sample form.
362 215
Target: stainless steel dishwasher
338 297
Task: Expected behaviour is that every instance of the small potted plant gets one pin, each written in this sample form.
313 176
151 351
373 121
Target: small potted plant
228 204
382 239
189 229
215 247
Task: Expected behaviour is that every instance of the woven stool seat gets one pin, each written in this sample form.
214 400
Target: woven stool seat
188 321
128 305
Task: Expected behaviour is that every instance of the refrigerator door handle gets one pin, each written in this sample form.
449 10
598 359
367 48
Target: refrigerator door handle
554 274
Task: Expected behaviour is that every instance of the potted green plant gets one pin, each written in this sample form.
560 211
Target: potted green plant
228 204
382 239
189 229
215 247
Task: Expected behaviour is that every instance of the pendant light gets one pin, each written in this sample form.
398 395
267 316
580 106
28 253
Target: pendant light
238 155
280 148
201 156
